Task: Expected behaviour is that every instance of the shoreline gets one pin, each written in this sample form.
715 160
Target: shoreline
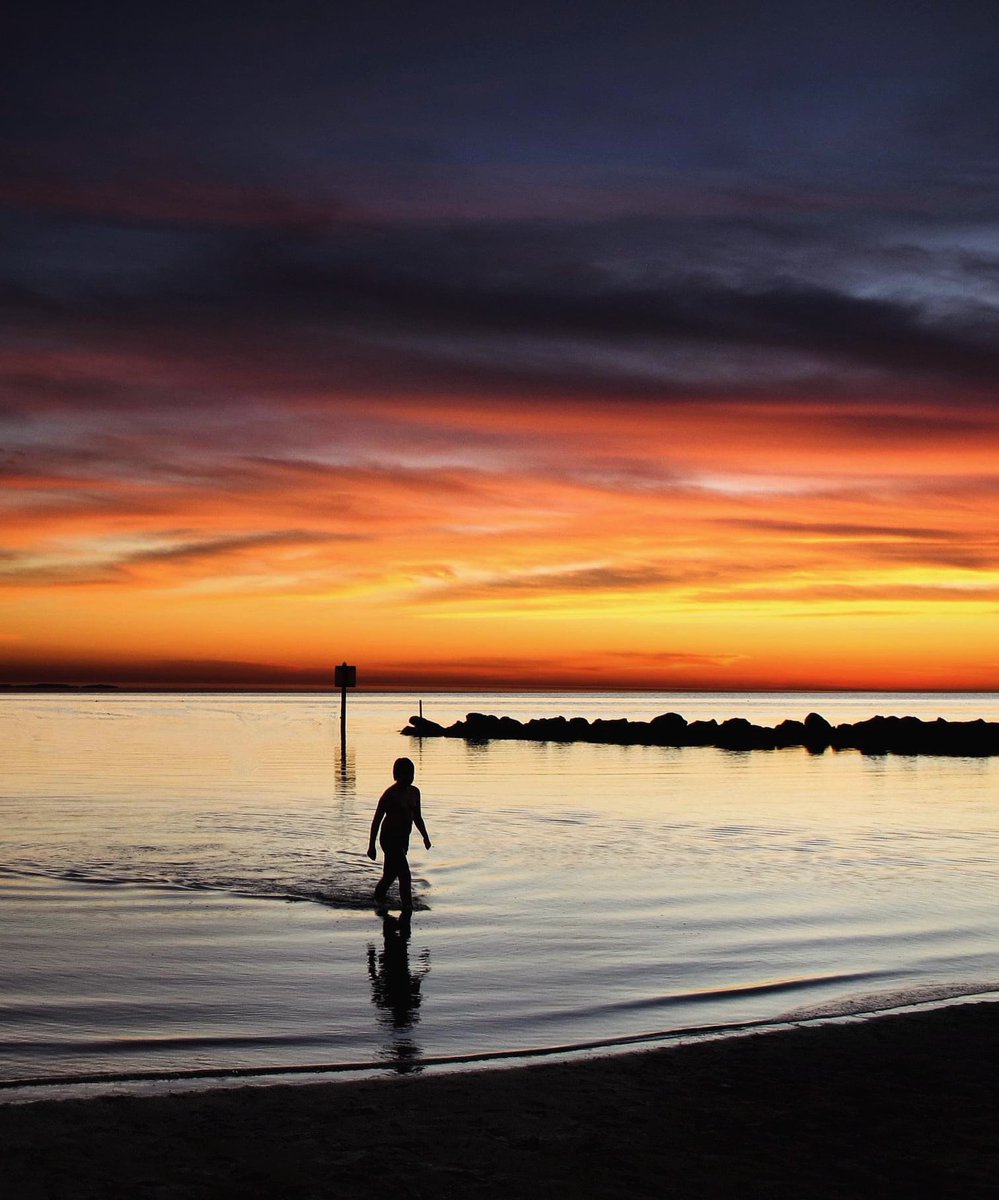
154 1083
894 1104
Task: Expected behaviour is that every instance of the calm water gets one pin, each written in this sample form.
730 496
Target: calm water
183 885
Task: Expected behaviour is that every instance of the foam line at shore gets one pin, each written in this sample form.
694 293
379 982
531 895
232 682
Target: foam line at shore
83 1086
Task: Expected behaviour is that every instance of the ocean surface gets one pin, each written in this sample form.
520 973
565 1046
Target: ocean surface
184 892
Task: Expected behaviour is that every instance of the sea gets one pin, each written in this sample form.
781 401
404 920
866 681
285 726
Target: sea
185 898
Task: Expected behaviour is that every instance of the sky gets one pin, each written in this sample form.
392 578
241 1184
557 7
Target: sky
548 345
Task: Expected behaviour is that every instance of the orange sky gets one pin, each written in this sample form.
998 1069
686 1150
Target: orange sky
540 345
710 544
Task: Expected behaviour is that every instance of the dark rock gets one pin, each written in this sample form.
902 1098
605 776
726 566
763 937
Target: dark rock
670 720
481 727
842 737
870 736
739 734
789 733
668 729
735 734
615 732
818 733
421 727
702 733
549 729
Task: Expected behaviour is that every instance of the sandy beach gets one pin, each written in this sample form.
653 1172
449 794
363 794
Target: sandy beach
893 1106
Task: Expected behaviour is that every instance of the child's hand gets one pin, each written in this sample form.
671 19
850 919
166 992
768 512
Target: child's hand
427 842
371 853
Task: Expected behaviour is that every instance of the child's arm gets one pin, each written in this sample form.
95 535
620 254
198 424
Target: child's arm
376 820
418 819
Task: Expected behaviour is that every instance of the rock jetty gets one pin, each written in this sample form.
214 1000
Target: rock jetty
878 735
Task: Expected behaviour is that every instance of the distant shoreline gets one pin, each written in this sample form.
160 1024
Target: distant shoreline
61 687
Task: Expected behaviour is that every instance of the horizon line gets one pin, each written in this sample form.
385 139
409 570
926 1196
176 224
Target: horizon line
504 689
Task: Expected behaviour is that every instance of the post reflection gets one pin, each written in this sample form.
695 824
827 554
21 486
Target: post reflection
345 777
395 990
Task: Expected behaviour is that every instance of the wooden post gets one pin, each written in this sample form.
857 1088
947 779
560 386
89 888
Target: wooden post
343 678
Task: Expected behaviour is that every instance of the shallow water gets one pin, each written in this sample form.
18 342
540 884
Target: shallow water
574 894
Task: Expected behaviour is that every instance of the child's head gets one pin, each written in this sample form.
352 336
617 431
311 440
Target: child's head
403 770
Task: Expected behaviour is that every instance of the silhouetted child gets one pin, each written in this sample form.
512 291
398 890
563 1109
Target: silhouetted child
397 812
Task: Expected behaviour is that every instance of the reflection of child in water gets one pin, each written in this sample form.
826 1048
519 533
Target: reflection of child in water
397 812
395 990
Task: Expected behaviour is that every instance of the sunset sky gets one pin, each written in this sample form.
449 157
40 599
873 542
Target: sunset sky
628 345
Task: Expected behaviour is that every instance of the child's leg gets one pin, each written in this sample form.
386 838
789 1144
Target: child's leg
383 884
405 883
390 871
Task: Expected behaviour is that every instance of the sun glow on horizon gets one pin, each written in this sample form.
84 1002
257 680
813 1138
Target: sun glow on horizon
623 545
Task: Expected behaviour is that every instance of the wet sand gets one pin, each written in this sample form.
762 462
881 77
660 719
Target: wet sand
901 1105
